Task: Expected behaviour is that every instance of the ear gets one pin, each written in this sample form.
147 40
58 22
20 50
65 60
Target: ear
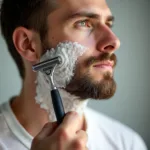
27 43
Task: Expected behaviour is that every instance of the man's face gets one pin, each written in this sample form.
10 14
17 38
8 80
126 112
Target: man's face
89 23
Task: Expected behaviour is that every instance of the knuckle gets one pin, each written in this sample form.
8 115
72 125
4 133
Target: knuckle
83 134
63 134
78 144
73 113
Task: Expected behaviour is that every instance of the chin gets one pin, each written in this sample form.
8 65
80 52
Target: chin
87 88
99 76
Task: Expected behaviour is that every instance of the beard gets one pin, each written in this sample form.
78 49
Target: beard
84 86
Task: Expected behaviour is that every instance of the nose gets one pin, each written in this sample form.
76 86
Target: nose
107 42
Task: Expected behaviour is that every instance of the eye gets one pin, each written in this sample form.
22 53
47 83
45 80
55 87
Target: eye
109 24
84 23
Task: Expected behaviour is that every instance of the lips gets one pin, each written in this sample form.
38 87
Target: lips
104 64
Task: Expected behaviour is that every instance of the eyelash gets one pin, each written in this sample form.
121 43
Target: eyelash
83 21
110 25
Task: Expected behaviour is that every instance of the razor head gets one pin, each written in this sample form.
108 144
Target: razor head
48 65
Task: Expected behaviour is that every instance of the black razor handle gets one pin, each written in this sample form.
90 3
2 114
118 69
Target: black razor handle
58 105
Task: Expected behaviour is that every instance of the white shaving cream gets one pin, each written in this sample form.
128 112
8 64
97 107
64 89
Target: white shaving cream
70 52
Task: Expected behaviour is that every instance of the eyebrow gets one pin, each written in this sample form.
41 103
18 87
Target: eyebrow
91 15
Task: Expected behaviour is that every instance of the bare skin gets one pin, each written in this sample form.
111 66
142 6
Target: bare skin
70 135
93 31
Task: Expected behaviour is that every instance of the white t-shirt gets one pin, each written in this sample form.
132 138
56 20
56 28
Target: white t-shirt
104 133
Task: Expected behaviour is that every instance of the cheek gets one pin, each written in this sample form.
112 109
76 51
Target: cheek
61 34
80 70
81 67
89 71
89 42
82 37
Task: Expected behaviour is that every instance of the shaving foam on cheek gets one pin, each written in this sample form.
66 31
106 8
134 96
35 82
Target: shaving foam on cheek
69 52
63 73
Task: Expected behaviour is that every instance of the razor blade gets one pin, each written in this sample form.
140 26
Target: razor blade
48 65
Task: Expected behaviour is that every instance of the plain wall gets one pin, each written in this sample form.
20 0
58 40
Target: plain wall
131 102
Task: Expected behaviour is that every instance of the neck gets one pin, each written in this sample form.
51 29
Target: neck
30 115
27 111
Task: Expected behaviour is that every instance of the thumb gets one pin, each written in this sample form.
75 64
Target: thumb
47 130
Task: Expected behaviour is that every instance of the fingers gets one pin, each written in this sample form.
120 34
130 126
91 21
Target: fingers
47 130
72 123
82 135
80 142
68 135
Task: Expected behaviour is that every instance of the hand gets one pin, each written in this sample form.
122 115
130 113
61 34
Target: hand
69 135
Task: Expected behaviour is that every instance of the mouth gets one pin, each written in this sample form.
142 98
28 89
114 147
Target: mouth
104 65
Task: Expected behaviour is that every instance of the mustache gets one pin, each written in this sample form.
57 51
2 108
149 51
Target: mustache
103 57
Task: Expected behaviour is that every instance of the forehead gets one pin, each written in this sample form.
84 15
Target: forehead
82 3
98 6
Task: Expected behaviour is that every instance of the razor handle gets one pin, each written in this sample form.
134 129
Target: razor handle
58 105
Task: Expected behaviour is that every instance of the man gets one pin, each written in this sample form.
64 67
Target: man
30 27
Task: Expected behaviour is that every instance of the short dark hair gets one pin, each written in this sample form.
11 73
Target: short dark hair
31 14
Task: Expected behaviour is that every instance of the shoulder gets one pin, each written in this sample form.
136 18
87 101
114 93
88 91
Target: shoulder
114 130
3 124
4 131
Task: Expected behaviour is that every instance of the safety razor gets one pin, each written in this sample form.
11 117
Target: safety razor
48 67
